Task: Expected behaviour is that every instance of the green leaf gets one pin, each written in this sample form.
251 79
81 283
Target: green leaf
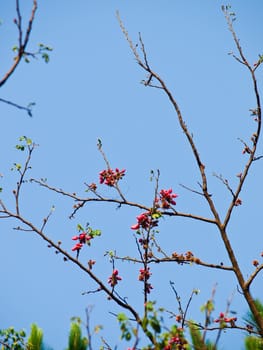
196 336
45 57
94 233
196 291
20 147
150 306
80 228
127 335
209 306
156 215
22 333
145 322
121 317
250 319
253 343
98 328
111 253
18 166
28 141
36 337
155 324
76 341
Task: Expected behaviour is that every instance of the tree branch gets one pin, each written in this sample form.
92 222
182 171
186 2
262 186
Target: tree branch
22 42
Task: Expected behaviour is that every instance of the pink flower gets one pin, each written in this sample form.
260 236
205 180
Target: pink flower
148 288
135 226
110 177
144 221
114 278
166 198
82 238
144 274
223 319
77 246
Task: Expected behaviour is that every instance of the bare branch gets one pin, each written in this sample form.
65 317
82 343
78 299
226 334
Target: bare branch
192 190
153 75
81 201
256 111
58 248
179 260
22 42
22 173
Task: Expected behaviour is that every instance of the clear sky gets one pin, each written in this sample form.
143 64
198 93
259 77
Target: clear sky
91 89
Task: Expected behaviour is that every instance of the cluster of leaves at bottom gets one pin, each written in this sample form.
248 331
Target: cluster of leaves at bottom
170 339
174 337
16 340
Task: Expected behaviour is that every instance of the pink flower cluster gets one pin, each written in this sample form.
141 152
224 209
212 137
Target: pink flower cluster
166 199
176 342
82 238
172 341
110 177
144 276
223 319
114 278
144 221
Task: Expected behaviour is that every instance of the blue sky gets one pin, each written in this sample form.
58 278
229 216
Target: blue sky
91 89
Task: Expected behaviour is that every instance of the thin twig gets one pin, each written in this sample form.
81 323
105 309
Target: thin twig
27 109
225 182
253 276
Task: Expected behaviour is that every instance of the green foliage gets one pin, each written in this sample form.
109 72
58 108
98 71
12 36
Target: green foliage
89 230
152 319
80 227
253 343
208 306
35 340
250 319
17 166
156 215
76 341
124 326
197 339
24 142
11 339
171 339
43 50
260 58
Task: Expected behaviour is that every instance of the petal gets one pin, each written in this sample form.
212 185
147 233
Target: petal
135 227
